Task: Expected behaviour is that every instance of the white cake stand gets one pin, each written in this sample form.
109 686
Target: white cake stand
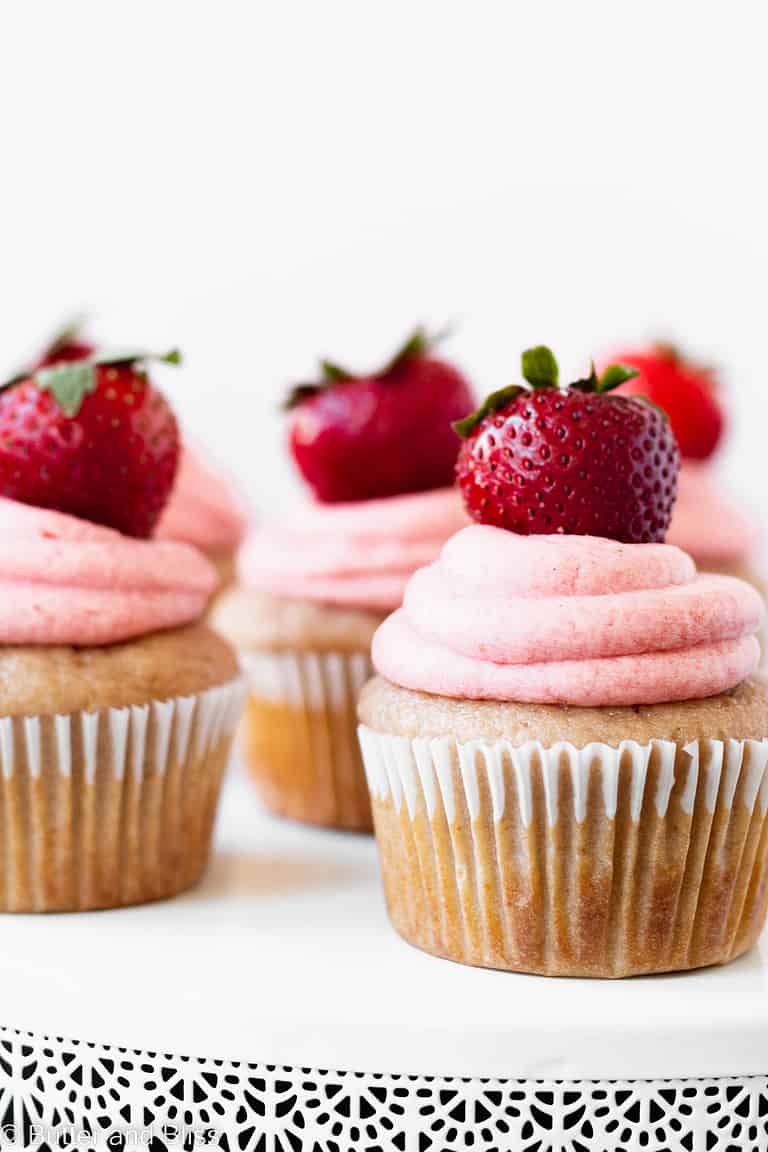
295 1019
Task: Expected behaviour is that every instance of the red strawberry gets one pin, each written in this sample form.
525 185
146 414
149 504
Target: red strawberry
66 346
687 393
577 460
94 439
362 437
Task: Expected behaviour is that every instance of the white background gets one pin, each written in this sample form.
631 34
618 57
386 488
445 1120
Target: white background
263 183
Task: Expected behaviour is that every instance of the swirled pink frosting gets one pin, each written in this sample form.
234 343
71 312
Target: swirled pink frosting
358 555
568 619
707 523
67 581
203 509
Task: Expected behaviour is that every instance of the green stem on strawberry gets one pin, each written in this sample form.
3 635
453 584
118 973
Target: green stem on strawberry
540 369
69 383
333 373
419 343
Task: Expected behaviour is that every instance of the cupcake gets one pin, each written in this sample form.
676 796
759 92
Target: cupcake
718 532
566 742
117 706
377 453
204 511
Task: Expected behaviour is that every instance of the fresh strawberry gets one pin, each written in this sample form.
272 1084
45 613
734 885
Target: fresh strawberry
686 391
66 346
362 437
94 439
579 460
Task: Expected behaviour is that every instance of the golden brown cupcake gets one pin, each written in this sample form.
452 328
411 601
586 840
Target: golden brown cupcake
116 708
117 712
567 746
378 452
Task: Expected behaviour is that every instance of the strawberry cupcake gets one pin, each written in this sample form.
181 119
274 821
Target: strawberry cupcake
378 454
117 706
566 744
718 532
204 511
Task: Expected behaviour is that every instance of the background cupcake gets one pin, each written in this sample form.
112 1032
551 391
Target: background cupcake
116 706
567 748
378 453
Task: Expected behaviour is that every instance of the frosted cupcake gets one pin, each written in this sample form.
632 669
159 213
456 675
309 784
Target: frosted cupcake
708 522
378 454
203 510
117 707
566 744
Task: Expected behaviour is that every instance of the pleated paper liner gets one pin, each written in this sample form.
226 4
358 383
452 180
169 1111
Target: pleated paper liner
301 735
102 809
573 862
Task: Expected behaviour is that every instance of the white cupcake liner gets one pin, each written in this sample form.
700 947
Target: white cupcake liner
576 861
301 735
113 807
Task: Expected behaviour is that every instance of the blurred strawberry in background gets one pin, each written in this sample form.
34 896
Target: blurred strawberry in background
685 390
363 436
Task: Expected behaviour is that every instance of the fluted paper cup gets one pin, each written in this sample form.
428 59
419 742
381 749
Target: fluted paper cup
301 735
102 809
594 861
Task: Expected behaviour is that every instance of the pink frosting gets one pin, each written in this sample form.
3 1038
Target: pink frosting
67 581
356 555
568 619
203 509
706 523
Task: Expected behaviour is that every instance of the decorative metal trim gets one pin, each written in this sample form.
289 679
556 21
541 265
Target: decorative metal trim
57 1093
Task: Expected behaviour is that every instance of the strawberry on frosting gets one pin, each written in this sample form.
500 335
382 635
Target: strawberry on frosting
367 436
542 458
92 438
378 453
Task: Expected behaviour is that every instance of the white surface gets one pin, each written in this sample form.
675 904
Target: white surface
285 955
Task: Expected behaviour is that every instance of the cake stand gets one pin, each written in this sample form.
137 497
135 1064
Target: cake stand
274 1009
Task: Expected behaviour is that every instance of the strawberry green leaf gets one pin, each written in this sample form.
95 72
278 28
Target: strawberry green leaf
614 375
492 403
540 367
299 393
132 356
333 373
68 383
418 344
